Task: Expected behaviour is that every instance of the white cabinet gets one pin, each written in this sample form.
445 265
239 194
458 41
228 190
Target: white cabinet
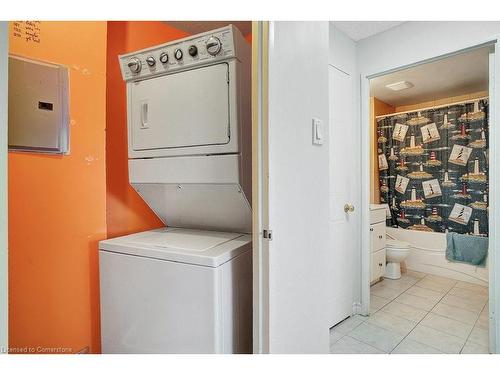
377 236
377 265
377 242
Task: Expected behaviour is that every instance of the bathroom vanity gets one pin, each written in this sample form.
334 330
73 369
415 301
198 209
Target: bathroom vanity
377 241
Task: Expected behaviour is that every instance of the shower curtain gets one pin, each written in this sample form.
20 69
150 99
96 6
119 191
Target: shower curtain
433 168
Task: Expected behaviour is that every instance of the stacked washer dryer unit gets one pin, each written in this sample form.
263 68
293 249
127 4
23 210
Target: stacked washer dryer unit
186 288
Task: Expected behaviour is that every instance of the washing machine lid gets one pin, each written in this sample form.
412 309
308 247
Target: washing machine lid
397 244
192 246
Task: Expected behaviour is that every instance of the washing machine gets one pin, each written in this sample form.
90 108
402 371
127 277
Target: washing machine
185 288
176 290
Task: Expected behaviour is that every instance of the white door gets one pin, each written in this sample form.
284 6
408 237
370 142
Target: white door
4 53
291 276
343 194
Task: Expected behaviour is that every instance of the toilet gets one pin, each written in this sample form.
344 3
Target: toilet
396 252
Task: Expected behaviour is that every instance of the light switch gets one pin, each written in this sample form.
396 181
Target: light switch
317 130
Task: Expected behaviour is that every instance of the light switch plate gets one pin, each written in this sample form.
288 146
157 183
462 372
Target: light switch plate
318 133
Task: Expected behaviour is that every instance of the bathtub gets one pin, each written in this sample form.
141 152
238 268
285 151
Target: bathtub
428 255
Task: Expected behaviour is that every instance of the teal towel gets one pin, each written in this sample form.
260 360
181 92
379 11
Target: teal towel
466 249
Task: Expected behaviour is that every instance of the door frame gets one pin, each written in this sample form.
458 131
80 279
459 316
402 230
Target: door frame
4 306
260 185
494 196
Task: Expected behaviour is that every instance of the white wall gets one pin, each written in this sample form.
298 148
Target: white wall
298 192
342 51
3 184
412 42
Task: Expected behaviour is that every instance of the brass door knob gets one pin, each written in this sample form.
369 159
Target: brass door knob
348 208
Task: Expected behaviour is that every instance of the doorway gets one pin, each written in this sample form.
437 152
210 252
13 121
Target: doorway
438 109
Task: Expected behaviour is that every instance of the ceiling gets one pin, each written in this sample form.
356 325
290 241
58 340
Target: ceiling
358 30
196 27
452 76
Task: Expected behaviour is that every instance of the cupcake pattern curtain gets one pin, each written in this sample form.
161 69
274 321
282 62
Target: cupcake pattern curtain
433 168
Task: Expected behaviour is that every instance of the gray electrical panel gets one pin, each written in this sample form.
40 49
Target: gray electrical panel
38 106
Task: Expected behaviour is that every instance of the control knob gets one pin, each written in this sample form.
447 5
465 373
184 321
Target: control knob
164 58
178 54
213 45
151 61
193 51
134 64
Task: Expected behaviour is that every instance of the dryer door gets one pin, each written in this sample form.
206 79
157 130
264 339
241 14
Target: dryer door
182 110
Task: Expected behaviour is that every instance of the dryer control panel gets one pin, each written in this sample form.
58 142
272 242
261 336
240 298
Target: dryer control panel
202 49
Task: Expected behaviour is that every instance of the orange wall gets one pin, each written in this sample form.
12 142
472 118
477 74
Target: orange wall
126 212
57 204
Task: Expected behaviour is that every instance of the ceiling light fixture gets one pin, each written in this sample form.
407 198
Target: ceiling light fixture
398 86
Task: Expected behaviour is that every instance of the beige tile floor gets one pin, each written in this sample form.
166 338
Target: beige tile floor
418 314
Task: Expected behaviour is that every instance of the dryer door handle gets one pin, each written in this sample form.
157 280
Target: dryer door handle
144 115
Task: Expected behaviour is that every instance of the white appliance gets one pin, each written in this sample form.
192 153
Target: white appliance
186 288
